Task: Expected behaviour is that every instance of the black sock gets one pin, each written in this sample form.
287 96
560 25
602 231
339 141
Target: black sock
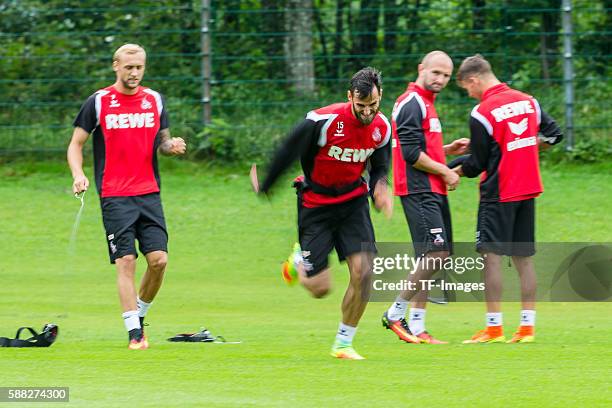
135 334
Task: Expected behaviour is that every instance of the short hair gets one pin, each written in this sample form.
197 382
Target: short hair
364 80
474 65
128 49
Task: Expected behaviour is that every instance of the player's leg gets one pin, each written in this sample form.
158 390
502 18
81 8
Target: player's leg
494 234
317 285
354 241
151 281
119 215
523 251
126 270
428 219
154 275
316 242
153 243
357 293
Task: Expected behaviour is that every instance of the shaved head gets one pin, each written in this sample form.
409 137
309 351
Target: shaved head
435 71
436 57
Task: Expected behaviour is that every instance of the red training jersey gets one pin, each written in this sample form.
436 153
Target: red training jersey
416 129
126 137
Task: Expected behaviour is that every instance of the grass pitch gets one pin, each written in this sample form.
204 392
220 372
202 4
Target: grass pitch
225 251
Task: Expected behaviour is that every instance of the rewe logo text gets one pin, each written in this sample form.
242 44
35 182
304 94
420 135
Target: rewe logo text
130 120
349 155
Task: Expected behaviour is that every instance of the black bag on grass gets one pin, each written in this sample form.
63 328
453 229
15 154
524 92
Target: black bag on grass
47 337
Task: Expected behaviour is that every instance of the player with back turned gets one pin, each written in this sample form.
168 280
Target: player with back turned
335 145
508 128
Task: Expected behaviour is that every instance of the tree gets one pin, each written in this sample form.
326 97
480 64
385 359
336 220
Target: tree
298 45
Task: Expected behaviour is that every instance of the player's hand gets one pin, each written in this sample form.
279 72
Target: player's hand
80 184
459 171
254 180
451 178
457 147
383 201
178 146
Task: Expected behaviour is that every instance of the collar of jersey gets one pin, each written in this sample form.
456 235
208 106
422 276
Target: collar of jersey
115 90
495 89
424 93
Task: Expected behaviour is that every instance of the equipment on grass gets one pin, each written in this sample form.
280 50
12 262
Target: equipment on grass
203 336
46 338
77 222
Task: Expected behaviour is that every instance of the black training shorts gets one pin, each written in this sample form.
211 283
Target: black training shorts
345 226
127 219
429 220
506 228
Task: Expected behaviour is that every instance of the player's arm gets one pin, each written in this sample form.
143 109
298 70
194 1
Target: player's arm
379 169
297 143
74 155
85 122
550 132
457 147
168 146
411 136
480 145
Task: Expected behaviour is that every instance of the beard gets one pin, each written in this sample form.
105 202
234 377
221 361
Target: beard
131 84
436 89
366 120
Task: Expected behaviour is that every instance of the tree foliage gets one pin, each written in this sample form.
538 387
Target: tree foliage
274 60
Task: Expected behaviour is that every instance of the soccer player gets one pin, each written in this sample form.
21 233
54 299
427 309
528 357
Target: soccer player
129 124
335 145
420 178
504 129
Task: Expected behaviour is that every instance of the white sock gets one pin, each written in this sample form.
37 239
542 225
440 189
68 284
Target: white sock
416 320
494 319
130 319
527 317
143 307
346 333
398 309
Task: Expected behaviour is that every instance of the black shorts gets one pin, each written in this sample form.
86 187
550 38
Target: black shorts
506 228
429 220
127 219
345 226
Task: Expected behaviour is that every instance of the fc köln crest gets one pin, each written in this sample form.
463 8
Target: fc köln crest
377 136
145 104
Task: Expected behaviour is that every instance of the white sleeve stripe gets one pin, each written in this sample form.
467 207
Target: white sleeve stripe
388 134
478 116
315 117
98 104
323 136
398 108
422 104
538 112
158 99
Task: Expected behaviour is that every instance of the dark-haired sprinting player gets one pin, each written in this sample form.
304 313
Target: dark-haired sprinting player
335 145
129 124
508 128
421 179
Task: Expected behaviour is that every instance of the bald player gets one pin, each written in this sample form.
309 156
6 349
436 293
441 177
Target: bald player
421 180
